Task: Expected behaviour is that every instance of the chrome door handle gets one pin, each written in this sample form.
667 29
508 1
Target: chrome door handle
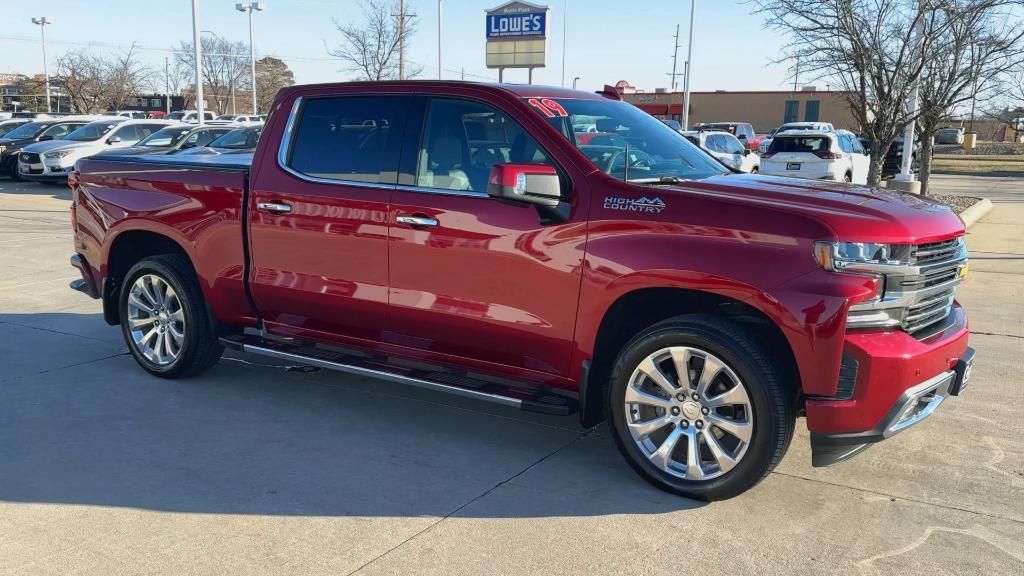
417 221
274 207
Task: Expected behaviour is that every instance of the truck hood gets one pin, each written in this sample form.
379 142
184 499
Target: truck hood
854 213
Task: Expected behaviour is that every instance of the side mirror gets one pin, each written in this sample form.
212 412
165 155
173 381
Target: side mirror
528 183
741 137
113 140
45 138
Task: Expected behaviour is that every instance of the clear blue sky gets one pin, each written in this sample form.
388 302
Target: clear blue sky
607 40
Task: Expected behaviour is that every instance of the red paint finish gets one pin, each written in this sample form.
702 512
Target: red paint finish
493 288
890 362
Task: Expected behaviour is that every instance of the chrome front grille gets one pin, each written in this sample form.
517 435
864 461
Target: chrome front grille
919 294
936 251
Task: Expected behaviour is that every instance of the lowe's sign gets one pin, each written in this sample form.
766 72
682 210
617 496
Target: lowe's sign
517 25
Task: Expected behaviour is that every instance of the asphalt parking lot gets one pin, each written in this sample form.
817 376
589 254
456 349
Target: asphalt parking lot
257 470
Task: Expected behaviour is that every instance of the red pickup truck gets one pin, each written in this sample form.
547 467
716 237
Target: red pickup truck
459 237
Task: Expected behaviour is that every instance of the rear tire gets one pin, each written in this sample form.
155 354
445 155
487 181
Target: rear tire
847 177
740 421
755 170
164 319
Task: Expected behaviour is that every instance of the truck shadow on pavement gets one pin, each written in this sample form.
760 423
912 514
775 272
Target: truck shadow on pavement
256 439
52 189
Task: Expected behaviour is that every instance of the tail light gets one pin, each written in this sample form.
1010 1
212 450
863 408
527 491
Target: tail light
826 155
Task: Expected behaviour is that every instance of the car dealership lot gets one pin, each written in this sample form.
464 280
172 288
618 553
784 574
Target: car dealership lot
106 470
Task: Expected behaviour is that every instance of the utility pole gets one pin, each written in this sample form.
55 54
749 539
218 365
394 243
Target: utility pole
565 25
440 33
796 76
167 82
197 53
250 9
689 67
42 22
401 39
906 174
675 56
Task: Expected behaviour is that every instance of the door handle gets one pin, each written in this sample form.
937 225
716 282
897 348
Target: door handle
417 221
274 207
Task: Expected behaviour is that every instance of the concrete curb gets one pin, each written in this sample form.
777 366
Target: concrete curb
975 212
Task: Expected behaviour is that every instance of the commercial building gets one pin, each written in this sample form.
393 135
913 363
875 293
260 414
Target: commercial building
764 109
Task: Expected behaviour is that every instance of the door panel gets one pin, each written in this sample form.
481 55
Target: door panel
482 279
488 282
322 264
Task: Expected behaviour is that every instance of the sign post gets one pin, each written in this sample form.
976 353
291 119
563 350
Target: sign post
517 37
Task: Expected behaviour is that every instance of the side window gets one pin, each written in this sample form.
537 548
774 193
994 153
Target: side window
147 129
858 147
714 142
58 131
461 142
126 133
731 145
349 138
844 143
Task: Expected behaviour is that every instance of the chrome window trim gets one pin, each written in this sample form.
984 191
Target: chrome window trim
442 191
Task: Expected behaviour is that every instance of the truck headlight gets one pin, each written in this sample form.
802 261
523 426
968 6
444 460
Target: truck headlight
868 257
57 153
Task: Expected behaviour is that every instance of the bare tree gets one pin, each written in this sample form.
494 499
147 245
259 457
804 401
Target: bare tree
94 82
867 48
225 66
272 74
371 49
977 43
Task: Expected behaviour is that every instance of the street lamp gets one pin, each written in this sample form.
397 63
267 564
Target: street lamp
250 8
197 55
42 22
574 82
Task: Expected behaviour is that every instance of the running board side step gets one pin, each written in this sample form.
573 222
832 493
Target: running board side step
528 398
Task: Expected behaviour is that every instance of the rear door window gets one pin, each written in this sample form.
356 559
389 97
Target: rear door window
355 139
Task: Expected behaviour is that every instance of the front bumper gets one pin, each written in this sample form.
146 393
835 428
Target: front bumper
45 170
898 381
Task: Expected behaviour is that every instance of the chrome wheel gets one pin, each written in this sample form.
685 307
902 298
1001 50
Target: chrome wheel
689 413
156 320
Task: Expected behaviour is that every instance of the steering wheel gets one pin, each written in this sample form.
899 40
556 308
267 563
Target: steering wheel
641 160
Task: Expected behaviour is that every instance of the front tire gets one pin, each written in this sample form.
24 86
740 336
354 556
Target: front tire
699 408
164 319
12 171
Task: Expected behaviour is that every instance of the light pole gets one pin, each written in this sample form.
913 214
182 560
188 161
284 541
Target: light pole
42 22
574 82
250 8
565 27
440 31
197 53
689 66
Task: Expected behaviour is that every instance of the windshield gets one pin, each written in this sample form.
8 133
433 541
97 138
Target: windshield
91 132
237 139
8 128
226 117
628 141
800 144
29 130
165 137
175 115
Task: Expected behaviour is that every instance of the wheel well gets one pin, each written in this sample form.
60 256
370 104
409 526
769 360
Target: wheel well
639 309
129 248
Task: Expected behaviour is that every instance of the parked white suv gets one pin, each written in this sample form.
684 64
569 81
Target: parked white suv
808 126
53 160
726 148
225 119
190 116
838 156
